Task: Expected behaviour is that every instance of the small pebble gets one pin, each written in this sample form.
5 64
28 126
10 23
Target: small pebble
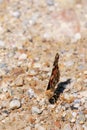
19 81
3 65
46 36
74 114
34 18
16 14
77 100
50 2
5 113
69 63
67 105
72 120
14 104
81 118
76 105
64 114
68 97
31 93
85 126
76 37
37 65
4 104
5 89
32 72
81 67
36 110
23 56
85 72
2 44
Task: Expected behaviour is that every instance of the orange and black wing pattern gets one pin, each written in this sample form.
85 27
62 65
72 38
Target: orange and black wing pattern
54 88
55 75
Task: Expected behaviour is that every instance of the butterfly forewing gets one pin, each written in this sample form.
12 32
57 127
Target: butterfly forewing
54 78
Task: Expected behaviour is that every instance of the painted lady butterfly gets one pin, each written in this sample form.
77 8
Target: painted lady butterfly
52 92
54 79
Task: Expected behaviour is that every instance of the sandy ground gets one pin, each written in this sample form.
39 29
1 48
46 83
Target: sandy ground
31 33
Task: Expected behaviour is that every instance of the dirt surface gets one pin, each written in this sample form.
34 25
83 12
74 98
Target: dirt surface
31 33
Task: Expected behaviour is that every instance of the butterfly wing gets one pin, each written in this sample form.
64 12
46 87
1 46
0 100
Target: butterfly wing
55 75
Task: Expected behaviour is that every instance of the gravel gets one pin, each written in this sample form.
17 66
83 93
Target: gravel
14 104
36 110
2 44
31 33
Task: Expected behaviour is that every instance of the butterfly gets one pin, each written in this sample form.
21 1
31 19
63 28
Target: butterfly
53 81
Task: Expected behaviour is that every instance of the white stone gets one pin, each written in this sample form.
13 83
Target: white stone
85 127
76 105
5 89
23 56
31 93
64 114
36 110
50 2
73 120
74 114
46 36
76 37
2 44
19 81
37 65
14 104
16 14
34 18
69 63
85 72
32 72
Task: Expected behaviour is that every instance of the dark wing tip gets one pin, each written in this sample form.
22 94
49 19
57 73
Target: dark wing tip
57 56
56 59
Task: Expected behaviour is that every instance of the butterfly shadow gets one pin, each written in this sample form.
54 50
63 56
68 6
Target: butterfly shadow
60 88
